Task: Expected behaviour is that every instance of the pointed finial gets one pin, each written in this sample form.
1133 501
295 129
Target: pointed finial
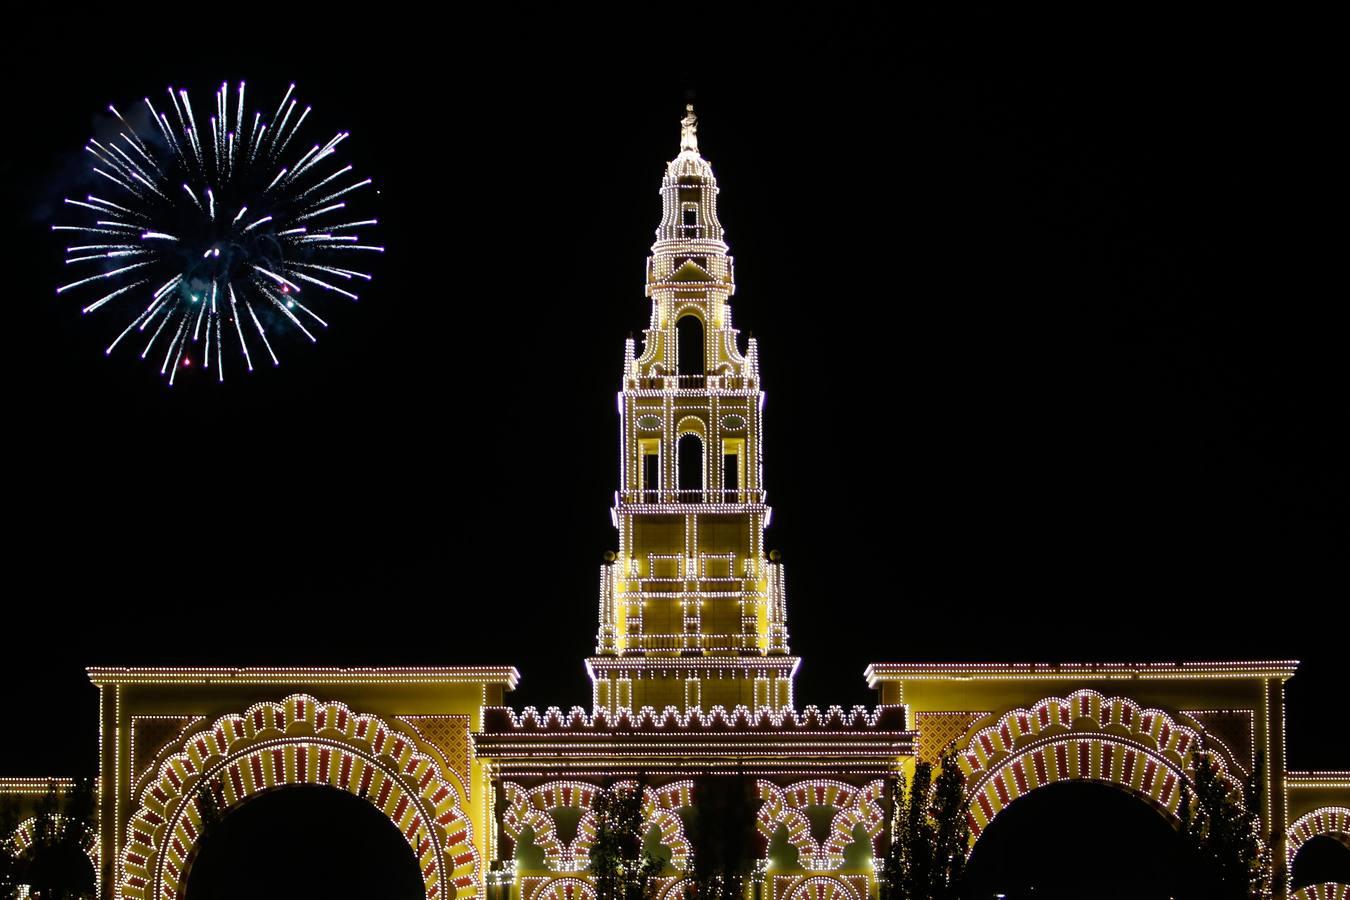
689 129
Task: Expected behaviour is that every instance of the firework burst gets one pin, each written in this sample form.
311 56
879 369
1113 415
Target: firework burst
223 225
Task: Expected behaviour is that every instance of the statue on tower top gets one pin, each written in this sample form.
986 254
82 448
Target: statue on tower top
689 129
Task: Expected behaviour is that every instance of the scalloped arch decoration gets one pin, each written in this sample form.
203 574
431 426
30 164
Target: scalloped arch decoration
785 806
300 740
659 810
532 807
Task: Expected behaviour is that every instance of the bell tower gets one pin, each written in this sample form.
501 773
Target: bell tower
692 610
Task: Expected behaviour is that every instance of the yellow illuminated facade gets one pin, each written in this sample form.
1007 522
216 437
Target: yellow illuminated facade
692 676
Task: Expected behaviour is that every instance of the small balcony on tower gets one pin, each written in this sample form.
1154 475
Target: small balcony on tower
703 496
710 382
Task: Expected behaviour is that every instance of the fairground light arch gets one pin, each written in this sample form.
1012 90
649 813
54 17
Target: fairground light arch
1085 736
298 741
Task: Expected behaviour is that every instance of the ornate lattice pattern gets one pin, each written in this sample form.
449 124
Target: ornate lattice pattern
940 730
151 734
1235 728
450 736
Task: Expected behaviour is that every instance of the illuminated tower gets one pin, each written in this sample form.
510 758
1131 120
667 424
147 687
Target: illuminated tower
692 612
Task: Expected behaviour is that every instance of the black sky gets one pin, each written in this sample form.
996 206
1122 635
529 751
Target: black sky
1050 330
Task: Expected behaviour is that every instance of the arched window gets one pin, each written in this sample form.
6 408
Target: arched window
689 358
690 459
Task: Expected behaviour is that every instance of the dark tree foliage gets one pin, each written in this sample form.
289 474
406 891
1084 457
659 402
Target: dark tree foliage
723 837
9 856
621 868
208 807
927 832
55 865
1222 827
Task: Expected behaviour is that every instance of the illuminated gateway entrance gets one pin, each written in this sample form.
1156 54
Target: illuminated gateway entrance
692 675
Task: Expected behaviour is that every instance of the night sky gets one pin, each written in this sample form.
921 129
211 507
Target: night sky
1051 337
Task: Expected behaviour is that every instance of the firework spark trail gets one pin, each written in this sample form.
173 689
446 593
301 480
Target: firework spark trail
151 342
130 130
148 236
262 334
307 191
281 128
285 310
239 115
104 299
239 329
92 199
298 123
323 284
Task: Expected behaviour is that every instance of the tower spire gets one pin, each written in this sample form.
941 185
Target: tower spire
692 610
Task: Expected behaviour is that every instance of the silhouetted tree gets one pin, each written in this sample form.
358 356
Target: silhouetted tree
1222 827
622 869
9 851
928 836
723 837
56 864
208 807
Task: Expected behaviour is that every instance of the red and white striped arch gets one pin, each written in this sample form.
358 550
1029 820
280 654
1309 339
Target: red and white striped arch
298 741
821 887
1332 821
1083 737
1327 891
564 889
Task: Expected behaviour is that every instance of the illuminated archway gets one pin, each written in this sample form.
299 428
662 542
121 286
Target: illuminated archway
1332 821
1083 737
298 741
25 834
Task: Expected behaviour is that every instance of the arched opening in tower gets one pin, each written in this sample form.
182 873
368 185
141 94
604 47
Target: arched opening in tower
689 346
690 462
305 841
1080 839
